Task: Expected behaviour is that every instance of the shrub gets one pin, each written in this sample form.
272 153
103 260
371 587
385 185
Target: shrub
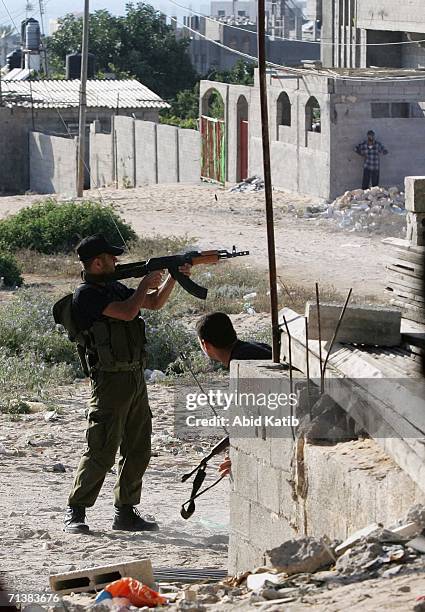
10 271
27 326
52 227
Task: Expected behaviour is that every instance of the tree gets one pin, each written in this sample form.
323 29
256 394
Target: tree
138 44
242 73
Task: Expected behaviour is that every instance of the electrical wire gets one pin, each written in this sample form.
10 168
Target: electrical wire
301 72
314 42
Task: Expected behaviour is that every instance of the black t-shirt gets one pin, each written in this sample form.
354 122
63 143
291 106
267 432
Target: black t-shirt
90 301
251 350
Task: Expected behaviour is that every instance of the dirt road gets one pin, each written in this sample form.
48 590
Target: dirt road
306 250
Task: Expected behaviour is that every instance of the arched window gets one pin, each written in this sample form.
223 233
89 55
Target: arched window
283 111
212 104
242 112
312 116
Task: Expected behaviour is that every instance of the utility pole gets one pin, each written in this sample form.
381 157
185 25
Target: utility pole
261 42
83 102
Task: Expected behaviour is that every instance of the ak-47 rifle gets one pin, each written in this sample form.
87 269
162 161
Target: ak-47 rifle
172 264
188 507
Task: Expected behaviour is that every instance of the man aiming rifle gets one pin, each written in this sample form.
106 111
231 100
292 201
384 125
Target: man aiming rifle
103 317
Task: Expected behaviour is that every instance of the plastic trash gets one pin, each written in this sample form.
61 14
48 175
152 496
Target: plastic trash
136 592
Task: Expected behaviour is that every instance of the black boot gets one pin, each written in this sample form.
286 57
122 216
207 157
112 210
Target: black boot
75 520
127 518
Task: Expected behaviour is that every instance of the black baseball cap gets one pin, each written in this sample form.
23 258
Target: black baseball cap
95 245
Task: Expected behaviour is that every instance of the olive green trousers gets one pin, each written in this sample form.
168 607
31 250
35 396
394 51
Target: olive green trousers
119 418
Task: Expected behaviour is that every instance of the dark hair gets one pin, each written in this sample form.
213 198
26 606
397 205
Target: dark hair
371 133
217 329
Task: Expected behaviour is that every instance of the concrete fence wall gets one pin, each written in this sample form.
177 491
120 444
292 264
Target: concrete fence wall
52 164
284 489
143 152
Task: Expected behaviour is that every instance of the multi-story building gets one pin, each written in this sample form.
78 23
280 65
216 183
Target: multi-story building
353 32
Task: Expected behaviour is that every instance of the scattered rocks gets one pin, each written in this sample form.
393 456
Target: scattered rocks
57 467
156 376
306 554
254 183
376 210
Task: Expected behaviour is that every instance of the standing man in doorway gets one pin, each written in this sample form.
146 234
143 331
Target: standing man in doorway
371 150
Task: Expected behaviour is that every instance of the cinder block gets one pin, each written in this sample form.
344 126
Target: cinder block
362 324
240 512
269 487
245 474
243 555
53 164
96 578
415 193
415 233
281 453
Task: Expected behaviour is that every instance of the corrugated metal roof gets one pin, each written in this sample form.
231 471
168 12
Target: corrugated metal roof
58 93
18 74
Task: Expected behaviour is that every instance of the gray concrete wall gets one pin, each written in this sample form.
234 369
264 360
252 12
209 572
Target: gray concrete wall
391 15
125 153
189 145
101 158
168 154
146 153
281 490
53 164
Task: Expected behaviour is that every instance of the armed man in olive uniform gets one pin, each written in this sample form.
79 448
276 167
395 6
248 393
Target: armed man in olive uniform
111 334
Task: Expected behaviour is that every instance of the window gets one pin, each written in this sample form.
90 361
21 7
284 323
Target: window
397 110
400 109
283 111
312 116
221 13
242 13
380 110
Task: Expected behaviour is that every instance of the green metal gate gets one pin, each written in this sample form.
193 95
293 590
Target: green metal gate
213 135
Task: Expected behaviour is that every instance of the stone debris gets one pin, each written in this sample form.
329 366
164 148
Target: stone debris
302 555
254 183
376 210
157 376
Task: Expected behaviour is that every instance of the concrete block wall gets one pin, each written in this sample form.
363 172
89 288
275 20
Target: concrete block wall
102 172
189 147
53 164
125 151
283 489
391 15
146 152
168 154
138 152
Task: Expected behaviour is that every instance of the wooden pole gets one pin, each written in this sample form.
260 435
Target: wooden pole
83 102
261 38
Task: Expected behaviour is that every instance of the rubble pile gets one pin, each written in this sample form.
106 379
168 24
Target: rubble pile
300 569
376 210
254 183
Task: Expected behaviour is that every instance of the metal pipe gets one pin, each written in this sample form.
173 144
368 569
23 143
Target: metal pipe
338 325
261 37
319 330
83 102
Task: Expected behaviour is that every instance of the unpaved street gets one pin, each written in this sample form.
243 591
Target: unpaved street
307 250
32 500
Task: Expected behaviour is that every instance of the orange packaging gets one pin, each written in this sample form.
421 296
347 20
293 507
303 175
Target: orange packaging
136 592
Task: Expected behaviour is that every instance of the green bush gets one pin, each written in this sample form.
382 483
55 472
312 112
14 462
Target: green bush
27 326
53 227
10 271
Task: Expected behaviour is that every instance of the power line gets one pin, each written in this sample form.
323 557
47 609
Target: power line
301 72
314 42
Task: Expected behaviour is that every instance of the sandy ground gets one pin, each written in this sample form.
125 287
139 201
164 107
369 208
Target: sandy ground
32 543
306 250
